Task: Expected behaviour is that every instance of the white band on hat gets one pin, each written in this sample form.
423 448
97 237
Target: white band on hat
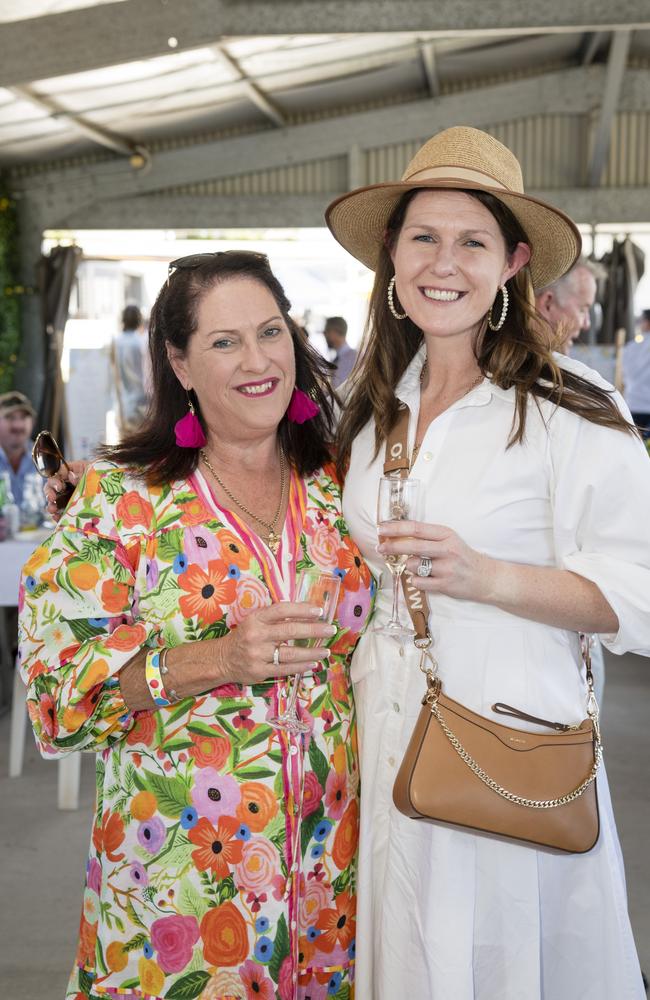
456 174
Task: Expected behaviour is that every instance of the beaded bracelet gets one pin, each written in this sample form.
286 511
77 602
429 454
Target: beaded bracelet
154 670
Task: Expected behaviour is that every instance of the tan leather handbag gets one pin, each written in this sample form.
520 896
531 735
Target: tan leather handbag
472 772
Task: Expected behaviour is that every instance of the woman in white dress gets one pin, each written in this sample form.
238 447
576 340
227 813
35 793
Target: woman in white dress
534 514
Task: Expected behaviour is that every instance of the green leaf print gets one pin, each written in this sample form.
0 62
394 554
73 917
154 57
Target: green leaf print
81 630
135 942
319 763
85 981
93 549
190 901
341 882
133 916
254 773
259 734
170 544
227 889
280 949
343 993
112 487
308 826
189 987
172 794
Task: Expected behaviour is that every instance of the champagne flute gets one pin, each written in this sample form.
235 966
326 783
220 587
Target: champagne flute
322 589
397 501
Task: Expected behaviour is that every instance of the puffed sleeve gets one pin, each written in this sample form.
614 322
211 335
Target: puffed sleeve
601 517
78 621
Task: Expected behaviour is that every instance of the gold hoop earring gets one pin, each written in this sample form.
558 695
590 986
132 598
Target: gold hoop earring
391 301
504 311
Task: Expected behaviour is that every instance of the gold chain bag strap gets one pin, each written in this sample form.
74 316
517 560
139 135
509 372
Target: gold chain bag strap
469 771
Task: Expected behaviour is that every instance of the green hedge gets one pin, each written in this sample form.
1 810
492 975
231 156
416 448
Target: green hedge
10 291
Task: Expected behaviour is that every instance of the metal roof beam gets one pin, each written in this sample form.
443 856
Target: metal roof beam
616 64
254 92
573 91
605 205
428 57
109 34
102 136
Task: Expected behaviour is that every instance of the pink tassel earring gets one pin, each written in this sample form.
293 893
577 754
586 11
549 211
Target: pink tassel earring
301 407
188 430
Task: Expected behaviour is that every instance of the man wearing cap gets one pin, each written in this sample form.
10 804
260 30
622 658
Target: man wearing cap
16 426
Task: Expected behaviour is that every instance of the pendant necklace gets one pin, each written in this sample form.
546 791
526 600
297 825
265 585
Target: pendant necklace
272 527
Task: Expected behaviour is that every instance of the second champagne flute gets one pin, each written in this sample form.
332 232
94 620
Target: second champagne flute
397 501
322 589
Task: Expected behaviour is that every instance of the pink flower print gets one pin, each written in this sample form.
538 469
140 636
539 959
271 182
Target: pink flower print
258 866
323 544
257 983
353 610
315 896
215 794
312 795
173 939
94 875
255 902
250 596
285 980
336 794
201 546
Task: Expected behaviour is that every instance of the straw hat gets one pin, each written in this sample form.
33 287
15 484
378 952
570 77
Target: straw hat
459 157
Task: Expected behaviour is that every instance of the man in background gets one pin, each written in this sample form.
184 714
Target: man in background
335 333
129 371
636 374
16 425
566 304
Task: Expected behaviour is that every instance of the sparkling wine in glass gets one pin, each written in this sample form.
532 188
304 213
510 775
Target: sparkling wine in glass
397 501
321 589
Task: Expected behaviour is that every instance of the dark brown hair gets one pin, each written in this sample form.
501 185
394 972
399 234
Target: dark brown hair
152 448
519 355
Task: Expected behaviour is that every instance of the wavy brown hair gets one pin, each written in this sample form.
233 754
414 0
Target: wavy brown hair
519 355
174 317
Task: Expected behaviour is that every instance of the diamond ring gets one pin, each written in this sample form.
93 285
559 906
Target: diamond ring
424 569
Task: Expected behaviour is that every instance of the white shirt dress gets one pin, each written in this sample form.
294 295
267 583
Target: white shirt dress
445 914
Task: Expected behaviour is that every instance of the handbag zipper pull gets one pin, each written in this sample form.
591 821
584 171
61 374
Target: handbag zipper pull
561 727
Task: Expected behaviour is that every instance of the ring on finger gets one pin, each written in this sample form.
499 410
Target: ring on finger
276 656
424 569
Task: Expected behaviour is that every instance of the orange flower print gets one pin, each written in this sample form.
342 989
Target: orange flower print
143 729
87 941
109 836
210 751
251 594
346 837
126 638
233 550
194 512
357 573
336 794
337 925
258 866
206 592
115 597
224 935
132 509
216 849
258 805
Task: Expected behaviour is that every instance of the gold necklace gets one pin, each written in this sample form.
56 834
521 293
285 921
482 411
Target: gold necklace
473 383
273 540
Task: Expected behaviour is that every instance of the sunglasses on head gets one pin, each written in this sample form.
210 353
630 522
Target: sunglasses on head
194 260
48 459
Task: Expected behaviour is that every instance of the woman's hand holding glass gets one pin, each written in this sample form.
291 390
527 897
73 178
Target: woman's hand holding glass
396 503
456 569
247 652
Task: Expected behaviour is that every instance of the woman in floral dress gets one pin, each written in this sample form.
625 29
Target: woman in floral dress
154 631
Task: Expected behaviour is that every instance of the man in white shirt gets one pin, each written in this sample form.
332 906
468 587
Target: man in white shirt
335 333
636 374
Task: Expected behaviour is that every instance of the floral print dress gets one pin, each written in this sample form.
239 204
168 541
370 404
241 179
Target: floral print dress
223 853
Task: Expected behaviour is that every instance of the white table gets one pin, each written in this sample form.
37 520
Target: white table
13 555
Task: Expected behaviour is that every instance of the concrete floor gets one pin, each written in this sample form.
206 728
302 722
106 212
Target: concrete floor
44 850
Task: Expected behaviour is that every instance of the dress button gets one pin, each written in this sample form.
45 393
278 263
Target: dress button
427 456
293 749
293 925
289 556
395 707
401 651
391 761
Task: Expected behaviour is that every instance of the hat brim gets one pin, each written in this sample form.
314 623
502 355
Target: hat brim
358 222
